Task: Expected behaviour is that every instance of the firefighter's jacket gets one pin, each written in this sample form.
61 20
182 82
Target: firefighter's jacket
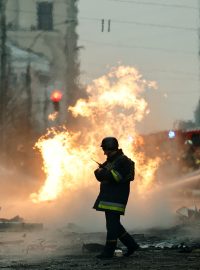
114 176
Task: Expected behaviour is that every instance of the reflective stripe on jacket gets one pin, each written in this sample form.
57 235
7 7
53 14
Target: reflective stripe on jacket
116 175
111 206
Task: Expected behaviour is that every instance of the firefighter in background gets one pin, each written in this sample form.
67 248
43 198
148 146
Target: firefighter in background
114 176
187 157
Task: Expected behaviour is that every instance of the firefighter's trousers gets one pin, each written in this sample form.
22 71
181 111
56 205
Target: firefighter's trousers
113 226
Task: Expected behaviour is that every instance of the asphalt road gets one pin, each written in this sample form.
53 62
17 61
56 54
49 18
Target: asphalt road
148 259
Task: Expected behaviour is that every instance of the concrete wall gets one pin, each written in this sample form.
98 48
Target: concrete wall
22 14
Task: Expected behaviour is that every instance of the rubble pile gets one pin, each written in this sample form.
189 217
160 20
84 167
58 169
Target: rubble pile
17 223
189 215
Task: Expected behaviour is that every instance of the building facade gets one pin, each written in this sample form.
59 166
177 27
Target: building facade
47 29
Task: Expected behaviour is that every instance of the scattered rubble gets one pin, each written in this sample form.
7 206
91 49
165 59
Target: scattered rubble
17 223
189 215
70 247
92 247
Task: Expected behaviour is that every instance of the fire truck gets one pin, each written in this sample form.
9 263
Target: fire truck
179 152
192 135
174 137
181 147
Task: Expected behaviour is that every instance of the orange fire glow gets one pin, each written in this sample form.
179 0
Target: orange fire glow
53 116
113 107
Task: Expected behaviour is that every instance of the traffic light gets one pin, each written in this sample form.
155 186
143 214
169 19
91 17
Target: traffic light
56 97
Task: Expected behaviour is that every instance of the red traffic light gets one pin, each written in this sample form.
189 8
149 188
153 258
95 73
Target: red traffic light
56 96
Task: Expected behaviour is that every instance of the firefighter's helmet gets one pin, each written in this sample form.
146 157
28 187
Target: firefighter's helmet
109 143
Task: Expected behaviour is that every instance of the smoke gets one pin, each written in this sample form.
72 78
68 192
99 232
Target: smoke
152 210
107 110
155 208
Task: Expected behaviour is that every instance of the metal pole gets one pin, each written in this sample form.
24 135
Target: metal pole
29 96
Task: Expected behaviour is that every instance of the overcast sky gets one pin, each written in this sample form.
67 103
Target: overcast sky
159 38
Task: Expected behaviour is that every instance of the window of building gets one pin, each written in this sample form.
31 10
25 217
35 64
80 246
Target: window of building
45 16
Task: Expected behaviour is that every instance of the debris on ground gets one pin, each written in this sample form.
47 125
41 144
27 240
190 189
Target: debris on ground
187 215
169 248
92 247
17 223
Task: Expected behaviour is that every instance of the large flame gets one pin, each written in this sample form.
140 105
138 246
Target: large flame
113 107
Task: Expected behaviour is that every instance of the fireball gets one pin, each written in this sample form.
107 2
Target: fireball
113 106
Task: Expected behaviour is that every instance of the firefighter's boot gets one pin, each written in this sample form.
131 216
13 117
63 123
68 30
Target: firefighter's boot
108 250
130 243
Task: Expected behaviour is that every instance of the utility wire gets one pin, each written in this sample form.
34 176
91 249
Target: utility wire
144 24
171 71
137 47
146 70
168 78
119 21
156 25
154 4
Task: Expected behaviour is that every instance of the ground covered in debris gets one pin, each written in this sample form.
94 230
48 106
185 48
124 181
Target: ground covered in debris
149 259
174 248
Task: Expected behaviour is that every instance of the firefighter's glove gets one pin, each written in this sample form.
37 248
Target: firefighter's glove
102 174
